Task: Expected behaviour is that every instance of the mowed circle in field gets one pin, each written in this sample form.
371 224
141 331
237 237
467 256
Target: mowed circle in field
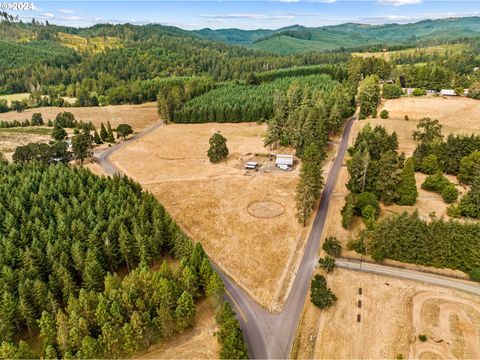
265 209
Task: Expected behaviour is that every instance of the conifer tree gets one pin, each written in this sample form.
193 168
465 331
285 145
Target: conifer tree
185 312
407 190
8 313
110 137
310 183
93 272
103 133
96 138
215 289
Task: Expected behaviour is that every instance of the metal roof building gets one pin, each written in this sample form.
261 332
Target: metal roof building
284 160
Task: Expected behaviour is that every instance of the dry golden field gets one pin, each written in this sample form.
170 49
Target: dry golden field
245 220
10 138
393 314
139 116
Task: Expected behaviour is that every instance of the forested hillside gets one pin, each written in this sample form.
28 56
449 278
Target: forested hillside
64 233
240 103
299 39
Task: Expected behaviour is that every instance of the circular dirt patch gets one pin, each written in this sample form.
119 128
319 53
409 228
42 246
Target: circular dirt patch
265 209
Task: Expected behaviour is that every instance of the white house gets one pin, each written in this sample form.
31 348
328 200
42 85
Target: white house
447 92
284 161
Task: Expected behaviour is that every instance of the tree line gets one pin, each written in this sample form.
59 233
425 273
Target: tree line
439 243
377 173
64 232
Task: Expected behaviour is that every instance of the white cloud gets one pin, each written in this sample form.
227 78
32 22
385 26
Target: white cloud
399 2
65 11
46 15
248 16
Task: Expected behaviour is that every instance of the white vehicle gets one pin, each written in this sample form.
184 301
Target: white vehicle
284 167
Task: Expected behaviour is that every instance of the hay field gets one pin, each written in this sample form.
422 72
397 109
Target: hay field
393 314
139 116
245 220
196 343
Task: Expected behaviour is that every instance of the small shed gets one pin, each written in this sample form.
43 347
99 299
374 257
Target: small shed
447 92
251 165
284 160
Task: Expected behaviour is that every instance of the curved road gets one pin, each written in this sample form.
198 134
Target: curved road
268 335
271 335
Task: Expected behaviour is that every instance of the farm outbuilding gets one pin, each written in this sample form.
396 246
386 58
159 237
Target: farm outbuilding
283 160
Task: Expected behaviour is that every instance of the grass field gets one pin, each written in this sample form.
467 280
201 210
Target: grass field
440 49
245 221
139 116
13 97
393 314
13 137
93 45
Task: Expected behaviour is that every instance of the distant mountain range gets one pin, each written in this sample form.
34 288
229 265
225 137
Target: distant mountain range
300 39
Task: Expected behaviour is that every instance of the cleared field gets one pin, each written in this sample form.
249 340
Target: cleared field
13 97
196 343
139 116
393 314
439 49
93 44
245 220
12 137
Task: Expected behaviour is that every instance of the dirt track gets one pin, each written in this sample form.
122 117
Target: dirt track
451 324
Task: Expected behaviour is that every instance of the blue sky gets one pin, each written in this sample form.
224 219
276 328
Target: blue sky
271 14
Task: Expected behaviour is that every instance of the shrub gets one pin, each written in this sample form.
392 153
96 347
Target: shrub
391 91
320 295
419 92
384 114
357 245
435 182
328 264
454 211
429 164
449 193
363 200
406 118
422 338
475 274
332 246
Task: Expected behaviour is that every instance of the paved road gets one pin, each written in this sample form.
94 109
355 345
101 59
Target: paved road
102 157
268 335
407 274
271 335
